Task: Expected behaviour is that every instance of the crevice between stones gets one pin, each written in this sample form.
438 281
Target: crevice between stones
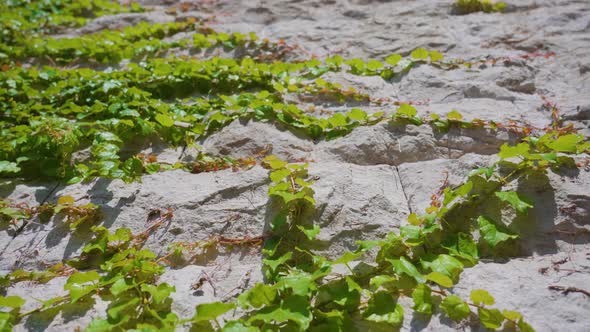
403 189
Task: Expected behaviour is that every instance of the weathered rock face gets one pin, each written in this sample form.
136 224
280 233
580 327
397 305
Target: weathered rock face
369 181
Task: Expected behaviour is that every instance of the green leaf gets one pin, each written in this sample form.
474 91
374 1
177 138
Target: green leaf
258 296
490 233
378 281
440 279
11 301
294 309
480 296
164 120
419 54
66 200
78 291
237 326
120 286
525 327
8 167
152 168
347 257
507 151
406 110
463 246
160 293
338 120
455 115
278 175
357 114
455 308
514 199
374 65
383 308
490 318
83 277
414 220
393 59
115 311
436 56
100 325
273 264
403 265
512 315
299 282
209 311
447 265
566 143
422 296
340 294
274 162
310 233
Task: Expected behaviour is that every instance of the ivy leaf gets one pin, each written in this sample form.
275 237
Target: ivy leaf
78 291
378 281
340 294
414 220
436 56
160 293
311 233
8 167
512 315
383 308
338 120
403 265
440 279
274 162
463 246
83 277
237 326
294 308
480 296
65 200
491 234
374 65
11 301
209 311
347 257
455 115
524 326
507 151
275 263
490 318
357 114
422 296
406 110
393 59
514 199
120 286
447 265
152 168
117 309
258 296
100 325
455 308
164 120
110 85
278 175
299 282
566 143
419 54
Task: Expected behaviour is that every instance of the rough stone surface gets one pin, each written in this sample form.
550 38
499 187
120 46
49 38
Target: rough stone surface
370 180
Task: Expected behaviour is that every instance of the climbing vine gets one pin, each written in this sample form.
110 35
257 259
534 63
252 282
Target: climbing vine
64 120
